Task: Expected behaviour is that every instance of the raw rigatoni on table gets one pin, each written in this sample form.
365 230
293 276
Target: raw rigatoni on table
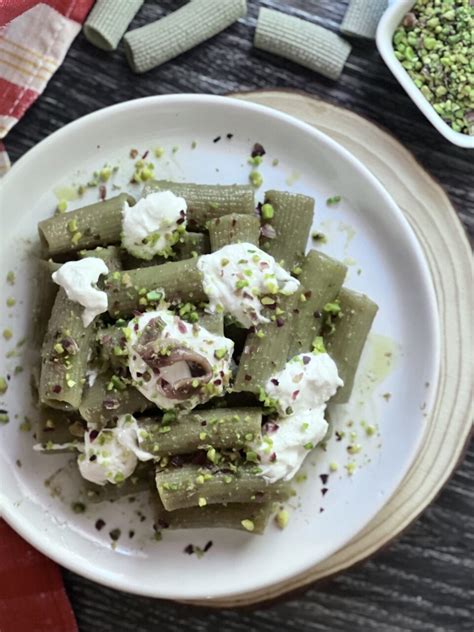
185 28
301 41
362 17
108 21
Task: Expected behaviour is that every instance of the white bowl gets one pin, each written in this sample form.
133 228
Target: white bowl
366 229
386 28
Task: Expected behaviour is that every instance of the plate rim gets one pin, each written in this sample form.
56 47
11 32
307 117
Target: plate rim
77 564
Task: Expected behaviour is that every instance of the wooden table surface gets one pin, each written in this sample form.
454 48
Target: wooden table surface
425 580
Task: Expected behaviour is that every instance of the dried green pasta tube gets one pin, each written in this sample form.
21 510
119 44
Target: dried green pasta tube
135 289
321 278
190 245
203 429
300 41
205 201
98 224
291 221
362 17
346 343
191 486
64 355
141 480
108 398
110 256
233 229
230 516
266 351
108 21
58 431
192 24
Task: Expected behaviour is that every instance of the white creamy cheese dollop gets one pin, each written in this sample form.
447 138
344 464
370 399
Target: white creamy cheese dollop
301 391
111 455
79 279
154 224
237 276
166 356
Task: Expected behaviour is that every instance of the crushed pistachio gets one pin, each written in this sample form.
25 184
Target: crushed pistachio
370 430
25 426
202 502
275 162
321 237
3 386
61 206
7 333
78 507
351 468
282 518
333 466
159 151
4 418
11 302
335 199
267 211
248 525
11 277
255 179
318 345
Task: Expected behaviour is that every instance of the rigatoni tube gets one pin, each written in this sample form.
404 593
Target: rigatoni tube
108 21
321 278
217 428
192 24
300 41
194 486
234 228
291 222
208 201
346 343
362 17
98 224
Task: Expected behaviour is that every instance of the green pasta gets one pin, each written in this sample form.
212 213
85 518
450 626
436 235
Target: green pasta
58 431
45 291
230 516
300 41
141 480
98 224
108 398
206 202
266 351
214 323
108 21
195 22
346 342
291 221
143 287
64 355
321 278
190 245
110 256
233 229
191 486
362 17
203 429
112 347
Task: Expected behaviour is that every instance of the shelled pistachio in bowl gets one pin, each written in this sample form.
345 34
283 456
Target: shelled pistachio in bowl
435 44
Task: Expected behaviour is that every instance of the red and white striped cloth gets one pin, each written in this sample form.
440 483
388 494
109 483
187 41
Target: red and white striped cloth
35 36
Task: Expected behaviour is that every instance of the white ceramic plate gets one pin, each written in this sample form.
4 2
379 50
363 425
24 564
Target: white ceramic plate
395 384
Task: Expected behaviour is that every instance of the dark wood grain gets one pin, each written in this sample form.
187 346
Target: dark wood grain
425 580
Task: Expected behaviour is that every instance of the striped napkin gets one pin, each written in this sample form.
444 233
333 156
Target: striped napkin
35 36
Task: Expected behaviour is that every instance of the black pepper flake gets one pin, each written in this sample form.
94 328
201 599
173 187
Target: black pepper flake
274 381
189 549
321 509
338 435
102 192
317 314
145 154
280 322
324 478
248 378
142 518
131 533
324 491
258 150
229 136
99 524
308 294
177 461
93 434
115 534
208 546
93 457
163 524
204 423
216 139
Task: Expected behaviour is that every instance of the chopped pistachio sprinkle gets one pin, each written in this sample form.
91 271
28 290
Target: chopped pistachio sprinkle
61 206
11 302
267 211
3 386
4 418
255 179
248 525
7 334
333 466
282 518
335 199
11 277
78 507
159 151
